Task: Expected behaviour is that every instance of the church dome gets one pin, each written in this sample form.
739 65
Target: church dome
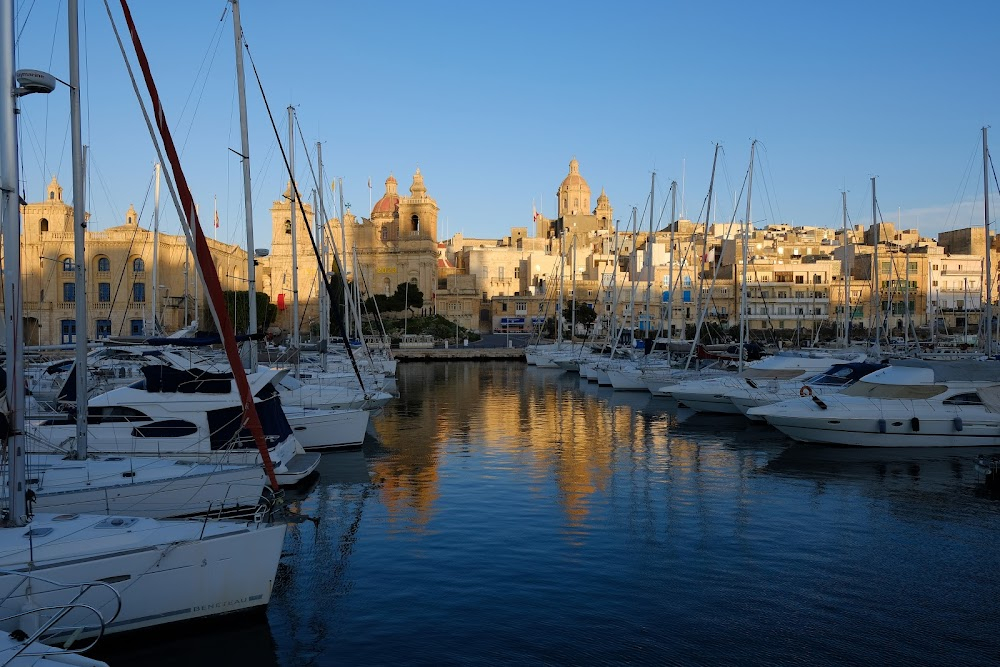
574 179
389 203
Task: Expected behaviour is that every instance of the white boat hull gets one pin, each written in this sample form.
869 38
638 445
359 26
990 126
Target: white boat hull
865 432
144 487
328 429
164 571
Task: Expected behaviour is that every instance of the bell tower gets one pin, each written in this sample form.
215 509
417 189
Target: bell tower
418 212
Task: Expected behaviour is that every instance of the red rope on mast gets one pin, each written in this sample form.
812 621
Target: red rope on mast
204 256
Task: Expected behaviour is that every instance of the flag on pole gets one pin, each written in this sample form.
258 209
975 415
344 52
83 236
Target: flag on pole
216 219
534 214
215 206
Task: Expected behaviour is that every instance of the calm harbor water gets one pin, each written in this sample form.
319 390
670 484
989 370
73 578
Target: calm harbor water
509 514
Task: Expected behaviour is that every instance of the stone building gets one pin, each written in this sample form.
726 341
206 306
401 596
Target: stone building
120 276
397 244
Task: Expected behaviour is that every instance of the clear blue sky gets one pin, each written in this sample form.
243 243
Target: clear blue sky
491 100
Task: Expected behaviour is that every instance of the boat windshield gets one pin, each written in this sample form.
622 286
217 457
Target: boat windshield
902 391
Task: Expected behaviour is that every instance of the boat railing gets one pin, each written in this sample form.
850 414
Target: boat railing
30 621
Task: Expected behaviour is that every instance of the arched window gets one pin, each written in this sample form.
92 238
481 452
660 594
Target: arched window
288 226
43 225
52 195
67 264
138 266
387 287
103 264
415 223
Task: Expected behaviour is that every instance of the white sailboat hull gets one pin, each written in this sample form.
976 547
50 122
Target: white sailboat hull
328 429
144 487
164 571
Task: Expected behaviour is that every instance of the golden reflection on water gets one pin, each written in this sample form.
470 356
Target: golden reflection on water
542 422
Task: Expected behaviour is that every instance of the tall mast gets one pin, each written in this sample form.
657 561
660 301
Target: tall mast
12 271
701 261
79 229
343 264
572 329
295 246
744 324
673 225
154 329
876 285
988 310
847 275
319 221
250 356
906 298
562 274
649 256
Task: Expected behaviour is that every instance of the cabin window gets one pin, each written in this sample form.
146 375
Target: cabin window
168 428
114 414
968 398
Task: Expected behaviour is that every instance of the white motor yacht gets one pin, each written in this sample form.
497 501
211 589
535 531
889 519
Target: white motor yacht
710 395
765 392
912 403
190 415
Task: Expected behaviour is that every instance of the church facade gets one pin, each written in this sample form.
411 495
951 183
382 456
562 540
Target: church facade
397 244
125 288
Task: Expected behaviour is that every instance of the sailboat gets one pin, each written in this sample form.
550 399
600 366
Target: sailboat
85 482
153 571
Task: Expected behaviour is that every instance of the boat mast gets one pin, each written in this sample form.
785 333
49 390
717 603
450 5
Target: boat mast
572 329
906 298
79 230
876 286
250 358
673 225
701 263
154 329
846 269
649 258
343 264
988 310
12 273
744 323
320 222
295 246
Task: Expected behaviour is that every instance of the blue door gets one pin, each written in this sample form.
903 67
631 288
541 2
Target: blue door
68 331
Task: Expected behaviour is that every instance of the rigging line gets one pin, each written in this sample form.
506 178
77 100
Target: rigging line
334 300
125 265
213 49
963 185
770 174
17 40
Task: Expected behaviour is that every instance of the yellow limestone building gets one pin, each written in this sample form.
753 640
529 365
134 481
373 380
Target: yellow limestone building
119 276
397 244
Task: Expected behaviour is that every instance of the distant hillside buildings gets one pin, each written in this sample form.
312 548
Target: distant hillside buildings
795 275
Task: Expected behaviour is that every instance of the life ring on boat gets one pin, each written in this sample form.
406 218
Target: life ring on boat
805 391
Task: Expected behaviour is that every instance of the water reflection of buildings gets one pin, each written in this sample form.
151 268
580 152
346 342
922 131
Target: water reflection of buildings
541 421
